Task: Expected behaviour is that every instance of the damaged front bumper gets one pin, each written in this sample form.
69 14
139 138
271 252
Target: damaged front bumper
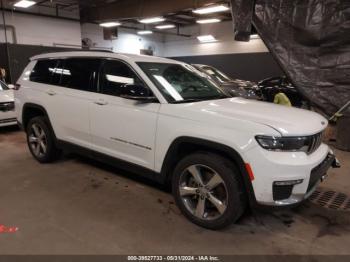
283 195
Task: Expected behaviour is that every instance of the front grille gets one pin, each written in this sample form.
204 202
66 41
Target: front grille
315 142
320 170
7 106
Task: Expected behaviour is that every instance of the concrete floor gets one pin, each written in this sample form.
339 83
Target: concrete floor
78 207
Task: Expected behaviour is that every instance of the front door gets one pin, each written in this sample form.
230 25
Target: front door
122 128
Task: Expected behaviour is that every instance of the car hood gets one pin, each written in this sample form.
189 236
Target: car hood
6 96
286 120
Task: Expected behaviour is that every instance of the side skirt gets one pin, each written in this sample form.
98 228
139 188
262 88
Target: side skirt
111 161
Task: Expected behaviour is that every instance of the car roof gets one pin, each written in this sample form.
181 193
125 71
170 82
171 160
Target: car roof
101 54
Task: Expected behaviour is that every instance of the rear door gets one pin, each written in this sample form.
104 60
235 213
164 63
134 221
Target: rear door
67 96
77 89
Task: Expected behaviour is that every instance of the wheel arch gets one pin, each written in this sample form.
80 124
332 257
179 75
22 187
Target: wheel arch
31 110
183 146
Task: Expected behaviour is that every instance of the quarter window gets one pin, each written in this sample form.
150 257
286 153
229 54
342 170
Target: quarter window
43 71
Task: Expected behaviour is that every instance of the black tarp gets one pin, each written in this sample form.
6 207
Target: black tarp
310 39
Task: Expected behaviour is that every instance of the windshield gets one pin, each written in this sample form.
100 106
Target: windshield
216 74
181 83
3 86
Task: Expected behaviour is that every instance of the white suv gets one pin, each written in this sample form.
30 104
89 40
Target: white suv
165 120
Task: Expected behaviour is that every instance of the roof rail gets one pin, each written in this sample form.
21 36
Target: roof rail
97 50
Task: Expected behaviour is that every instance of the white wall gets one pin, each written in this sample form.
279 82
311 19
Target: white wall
174 46
36 30
179 46
127 42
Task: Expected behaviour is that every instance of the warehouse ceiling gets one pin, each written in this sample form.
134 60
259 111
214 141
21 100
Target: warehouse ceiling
178 12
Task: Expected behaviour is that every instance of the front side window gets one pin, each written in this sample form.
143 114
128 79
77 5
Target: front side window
181 83
43 71
115 77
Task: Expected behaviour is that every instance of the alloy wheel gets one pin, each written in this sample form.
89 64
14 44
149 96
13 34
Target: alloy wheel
203 192
37 140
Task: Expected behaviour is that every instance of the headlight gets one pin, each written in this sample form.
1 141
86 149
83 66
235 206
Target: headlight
285 143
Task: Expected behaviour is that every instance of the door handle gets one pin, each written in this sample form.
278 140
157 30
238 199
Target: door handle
51 92
101 102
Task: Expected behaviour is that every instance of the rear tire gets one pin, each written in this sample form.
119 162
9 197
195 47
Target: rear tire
41 140
208 190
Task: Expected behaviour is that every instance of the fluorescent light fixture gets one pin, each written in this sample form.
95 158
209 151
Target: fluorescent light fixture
206 38
208 21
255 36
24 3
211 9
165 26
110 24
152 20
145 32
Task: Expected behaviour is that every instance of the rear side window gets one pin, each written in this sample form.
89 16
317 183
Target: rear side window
43 71
79 73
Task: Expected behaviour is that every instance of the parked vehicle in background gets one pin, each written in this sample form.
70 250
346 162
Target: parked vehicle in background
166 120
234 87
269 87
7 106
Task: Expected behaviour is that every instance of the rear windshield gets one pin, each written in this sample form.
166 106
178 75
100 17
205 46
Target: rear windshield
216 74
3 87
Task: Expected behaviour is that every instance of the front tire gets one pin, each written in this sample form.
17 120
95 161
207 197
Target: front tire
208 190
41 141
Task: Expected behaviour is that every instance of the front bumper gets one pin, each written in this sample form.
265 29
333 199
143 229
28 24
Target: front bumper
305 171
283 195
8 118
8 122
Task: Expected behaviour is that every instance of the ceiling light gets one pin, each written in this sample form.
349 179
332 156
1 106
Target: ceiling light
211 9
152 20
208 21
145 32
206 38
24 3
110 24
165 26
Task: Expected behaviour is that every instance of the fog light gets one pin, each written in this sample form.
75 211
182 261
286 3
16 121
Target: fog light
288 182
283 189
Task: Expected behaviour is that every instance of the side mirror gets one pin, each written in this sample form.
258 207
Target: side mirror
137 92
11 86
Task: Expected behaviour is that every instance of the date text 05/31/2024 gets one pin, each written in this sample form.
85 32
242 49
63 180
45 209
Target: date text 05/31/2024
173 258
